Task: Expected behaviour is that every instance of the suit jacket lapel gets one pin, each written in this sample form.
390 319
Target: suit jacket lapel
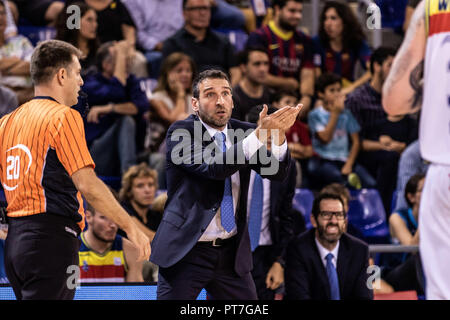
342 263
321 271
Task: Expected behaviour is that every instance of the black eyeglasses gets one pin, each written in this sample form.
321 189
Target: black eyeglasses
200 8
326 215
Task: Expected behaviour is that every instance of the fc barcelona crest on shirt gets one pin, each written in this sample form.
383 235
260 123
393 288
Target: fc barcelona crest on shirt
299 48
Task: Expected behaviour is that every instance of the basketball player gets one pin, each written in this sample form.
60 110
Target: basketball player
44 165
425 57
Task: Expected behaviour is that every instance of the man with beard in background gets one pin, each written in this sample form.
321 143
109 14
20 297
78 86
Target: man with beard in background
325 263
290 51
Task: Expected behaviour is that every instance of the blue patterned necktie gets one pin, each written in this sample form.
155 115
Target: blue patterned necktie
332 278
226 207
256 207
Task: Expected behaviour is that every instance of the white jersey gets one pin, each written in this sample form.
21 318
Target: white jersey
434 133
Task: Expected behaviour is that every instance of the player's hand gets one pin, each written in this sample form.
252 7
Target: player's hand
141 241
346 169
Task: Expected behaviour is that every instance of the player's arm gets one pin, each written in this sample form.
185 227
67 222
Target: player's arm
99 196
402 91
134 272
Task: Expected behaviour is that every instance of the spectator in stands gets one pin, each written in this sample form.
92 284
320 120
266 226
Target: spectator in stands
379 157
37 12
171 101
404 229
104 255
298 138
207 48
139 185
114 97
326 263
290 51
341 44
251 91
8 101
115 24
155 22
410 163
15 56
270 225
330 126
84 38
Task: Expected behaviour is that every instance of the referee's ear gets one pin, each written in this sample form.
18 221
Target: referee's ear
61 76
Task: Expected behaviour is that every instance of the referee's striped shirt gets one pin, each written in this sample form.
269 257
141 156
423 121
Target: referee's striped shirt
42 143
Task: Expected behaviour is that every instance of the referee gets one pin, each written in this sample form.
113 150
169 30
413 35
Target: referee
44 166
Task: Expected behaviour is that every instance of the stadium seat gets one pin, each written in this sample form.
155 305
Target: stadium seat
394 200
238 38
36 34
366 212
303 201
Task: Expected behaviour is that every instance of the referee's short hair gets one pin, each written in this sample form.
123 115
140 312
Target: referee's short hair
50 56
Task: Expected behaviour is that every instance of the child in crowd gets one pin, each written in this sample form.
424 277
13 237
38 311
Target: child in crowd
330 126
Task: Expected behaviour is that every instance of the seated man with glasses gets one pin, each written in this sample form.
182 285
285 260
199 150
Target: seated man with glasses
207 48
326 263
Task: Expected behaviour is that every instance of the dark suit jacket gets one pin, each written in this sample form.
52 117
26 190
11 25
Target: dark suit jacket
306 276
280 216
195 191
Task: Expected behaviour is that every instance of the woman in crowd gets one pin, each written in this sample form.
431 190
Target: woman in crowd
84 38
341 44
170 101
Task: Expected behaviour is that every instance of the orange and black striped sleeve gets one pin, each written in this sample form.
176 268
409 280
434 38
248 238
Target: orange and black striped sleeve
70 141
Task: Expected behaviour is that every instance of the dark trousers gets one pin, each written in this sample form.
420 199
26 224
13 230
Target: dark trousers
38 251
206 267
262 262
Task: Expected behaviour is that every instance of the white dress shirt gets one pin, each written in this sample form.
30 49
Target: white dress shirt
250 145
324 252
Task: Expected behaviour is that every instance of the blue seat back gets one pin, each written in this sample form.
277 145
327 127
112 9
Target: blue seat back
303 202
366 212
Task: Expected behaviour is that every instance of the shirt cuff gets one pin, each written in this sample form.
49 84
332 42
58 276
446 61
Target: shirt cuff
251 145
279 152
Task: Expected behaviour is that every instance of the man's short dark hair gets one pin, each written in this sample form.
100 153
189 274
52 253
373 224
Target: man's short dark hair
320 198
207 74
244 55
380 55
102 54
327 79
282 3
50 56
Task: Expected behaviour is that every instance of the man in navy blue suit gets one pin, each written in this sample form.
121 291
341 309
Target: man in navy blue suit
203 239
326 263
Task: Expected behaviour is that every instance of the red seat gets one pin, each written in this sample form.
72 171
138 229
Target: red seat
399 295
